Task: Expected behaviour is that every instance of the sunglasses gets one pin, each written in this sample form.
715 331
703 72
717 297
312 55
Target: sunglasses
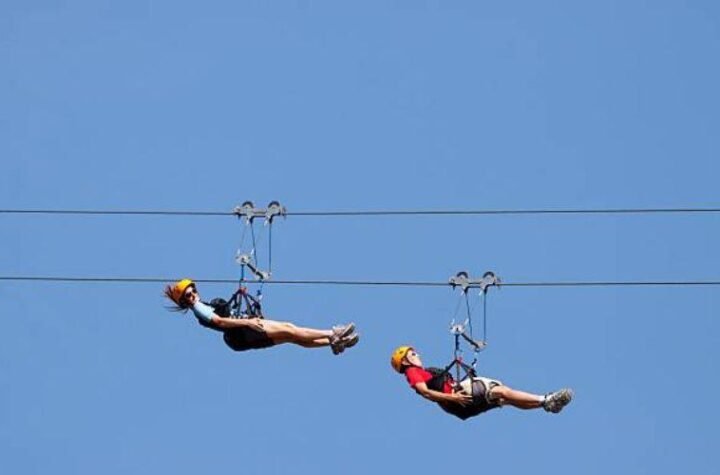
189 292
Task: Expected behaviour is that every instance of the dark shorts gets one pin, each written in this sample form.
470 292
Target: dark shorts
241 339
480 388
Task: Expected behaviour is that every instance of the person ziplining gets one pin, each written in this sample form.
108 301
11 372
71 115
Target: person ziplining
474 394
240 318
466 394
254 331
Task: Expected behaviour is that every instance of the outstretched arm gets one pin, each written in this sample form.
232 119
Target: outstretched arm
205 312
437 396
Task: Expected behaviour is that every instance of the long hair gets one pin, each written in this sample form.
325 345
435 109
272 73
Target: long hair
180 306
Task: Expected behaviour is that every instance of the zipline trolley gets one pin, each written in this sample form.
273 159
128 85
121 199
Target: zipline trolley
258 221
463 332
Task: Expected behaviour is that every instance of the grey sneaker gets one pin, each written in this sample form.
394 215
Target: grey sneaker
554 402
340 344
340 332
350 341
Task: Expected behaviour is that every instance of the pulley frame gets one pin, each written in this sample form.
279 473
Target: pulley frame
463 331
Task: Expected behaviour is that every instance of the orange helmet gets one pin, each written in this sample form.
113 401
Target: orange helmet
398 356
176 291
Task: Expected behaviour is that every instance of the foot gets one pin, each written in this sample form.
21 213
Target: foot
336 347
554 402
343 343
350 341
340 332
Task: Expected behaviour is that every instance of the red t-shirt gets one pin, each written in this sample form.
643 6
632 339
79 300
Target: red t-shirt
415 374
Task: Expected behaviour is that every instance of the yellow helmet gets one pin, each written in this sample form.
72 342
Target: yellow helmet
398 356
176 291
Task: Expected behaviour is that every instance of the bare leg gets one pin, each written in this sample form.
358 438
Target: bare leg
319 343
284 332
519 399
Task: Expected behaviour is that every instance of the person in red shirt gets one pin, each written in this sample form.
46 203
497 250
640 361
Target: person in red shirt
471 396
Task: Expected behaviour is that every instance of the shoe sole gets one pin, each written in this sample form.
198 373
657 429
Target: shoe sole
351 341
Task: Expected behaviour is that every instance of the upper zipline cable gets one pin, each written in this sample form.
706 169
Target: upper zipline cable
98 212
390 283
358 213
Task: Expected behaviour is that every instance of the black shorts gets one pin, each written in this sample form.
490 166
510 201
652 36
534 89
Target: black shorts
241 339
480 402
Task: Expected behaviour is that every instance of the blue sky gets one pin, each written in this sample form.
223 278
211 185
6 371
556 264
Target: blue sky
333 105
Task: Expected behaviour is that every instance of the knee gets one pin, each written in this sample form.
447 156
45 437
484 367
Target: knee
286 329
278 324
500 392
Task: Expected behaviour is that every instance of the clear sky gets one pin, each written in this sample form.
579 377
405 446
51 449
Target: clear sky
359 105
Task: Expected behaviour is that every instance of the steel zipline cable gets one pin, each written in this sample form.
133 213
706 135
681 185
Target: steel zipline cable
366 283
371 213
